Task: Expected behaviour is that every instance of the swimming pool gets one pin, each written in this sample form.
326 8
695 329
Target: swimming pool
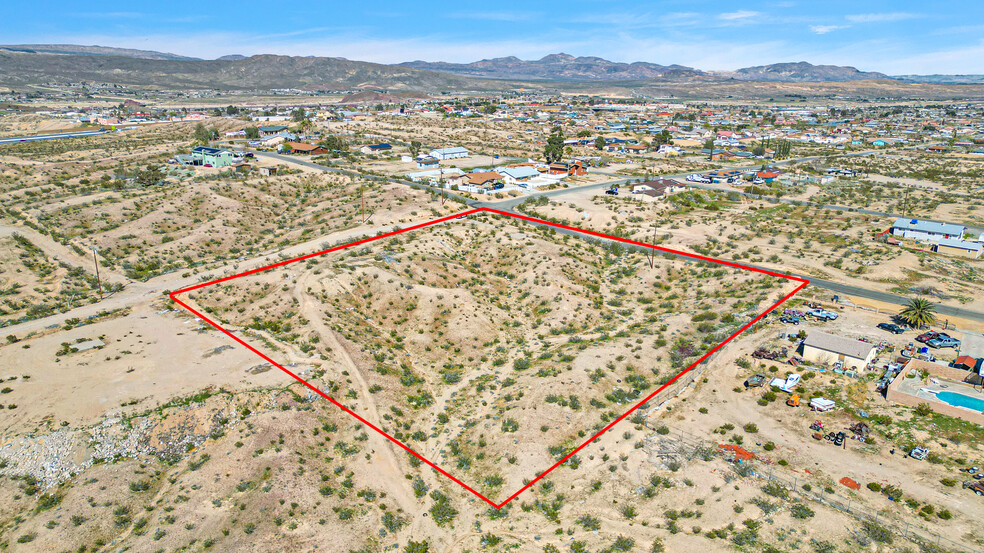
960 400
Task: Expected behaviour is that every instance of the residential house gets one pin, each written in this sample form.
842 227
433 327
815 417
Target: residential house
718 155
212 157
576 168
271 130
636 149
304 148
455 152
926 231
658 188
767 176
375 148
820 347
479 179
427 162
519 174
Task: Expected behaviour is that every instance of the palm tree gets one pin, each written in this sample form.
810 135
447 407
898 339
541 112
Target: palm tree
918 312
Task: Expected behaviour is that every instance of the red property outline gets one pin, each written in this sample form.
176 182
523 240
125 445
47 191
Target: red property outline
803 282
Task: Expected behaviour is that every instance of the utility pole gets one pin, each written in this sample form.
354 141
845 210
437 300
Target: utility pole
905 201
95 262
362 196
652 252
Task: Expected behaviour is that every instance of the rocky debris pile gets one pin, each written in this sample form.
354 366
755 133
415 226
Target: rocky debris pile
55 457
49 458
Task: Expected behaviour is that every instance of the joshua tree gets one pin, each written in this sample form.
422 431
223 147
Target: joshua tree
918 312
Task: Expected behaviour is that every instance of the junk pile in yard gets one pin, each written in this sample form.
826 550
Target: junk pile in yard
860 431
763 353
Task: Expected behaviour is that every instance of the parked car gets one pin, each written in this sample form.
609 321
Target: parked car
893 328
755 381
613 191
919 453
790 319
943 342
823 314
927 336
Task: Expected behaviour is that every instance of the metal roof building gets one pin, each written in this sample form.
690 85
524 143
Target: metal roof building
454 152
929 231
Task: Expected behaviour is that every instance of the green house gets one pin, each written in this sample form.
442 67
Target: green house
213 157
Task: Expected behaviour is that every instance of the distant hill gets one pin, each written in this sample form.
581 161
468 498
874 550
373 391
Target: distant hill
554 67
25 65
941 79
76 50
803 72
262 72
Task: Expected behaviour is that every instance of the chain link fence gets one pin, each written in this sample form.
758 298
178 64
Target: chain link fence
677 446
905 529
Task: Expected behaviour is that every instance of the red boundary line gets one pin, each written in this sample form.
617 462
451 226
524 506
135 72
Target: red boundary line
803 282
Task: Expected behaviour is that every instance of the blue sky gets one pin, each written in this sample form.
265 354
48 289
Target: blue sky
894 37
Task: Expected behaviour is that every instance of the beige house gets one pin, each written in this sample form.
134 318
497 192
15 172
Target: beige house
820 347
955 246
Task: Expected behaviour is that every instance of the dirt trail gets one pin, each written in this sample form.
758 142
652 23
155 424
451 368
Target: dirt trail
61 253
388 467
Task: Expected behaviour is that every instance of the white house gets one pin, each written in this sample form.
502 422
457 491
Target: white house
926 231
516 175
449 153
427 162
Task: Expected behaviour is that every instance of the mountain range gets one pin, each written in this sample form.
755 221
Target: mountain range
19 67
33 63
555 67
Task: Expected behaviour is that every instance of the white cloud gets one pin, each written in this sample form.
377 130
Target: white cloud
738 15
880 17
824 29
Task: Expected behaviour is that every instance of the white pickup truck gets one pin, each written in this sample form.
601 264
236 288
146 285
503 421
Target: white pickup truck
823 314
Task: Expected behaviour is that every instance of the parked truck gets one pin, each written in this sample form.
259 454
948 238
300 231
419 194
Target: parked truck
822 314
